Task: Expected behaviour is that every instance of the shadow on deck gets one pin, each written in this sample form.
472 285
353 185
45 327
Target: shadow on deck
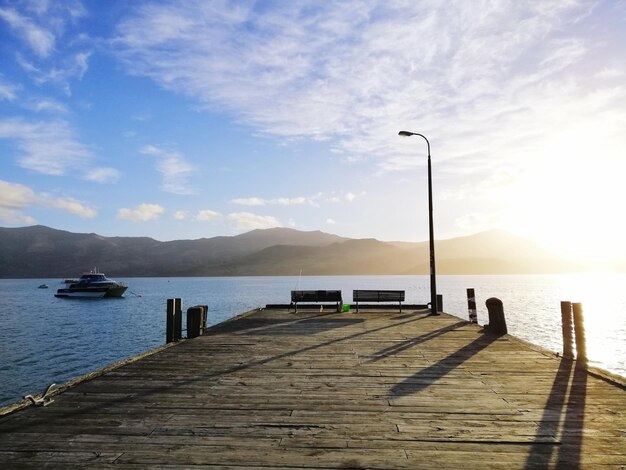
329 390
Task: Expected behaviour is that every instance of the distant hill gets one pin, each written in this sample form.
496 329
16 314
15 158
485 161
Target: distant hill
41 252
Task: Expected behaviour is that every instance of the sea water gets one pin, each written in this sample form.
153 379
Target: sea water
46 340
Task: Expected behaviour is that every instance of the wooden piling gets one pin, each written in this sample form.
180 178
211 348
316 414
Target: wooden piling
205 317
178 320
173 329
169 322
579 330
566 326
471 306
439 303
194 321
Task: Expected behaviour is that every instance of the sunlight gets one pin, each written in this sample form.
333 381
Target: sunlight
567 195
603 311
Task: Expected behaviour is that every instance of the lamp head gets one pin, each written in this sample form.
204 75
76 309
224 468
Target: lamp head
406 133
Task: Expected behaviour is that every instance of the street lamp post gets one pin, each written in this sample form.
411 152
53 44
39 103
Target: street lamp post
433 281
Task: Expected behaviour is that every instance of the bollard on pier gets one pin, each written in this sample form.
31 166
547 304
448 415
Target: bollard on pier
497 322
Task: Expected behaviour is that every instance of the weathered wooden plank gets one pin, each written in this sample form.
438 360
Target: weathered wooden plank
275 389
335 458
41 456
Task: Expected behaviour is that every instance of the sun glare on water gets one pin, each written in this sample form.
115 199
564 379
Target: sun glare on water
604 310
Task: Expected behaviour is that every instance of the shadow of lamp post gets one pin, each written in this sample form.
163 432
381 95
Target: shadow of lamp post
433 281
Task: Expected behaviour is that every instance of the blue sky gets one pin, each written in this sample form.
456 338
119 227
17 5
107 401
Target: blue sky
189 119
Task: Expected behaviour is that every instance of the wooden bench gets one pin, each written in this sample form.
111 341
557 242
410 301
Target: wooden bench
378 296
316 296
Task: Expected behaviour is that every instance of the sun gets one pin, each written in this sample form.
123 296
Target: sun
570 197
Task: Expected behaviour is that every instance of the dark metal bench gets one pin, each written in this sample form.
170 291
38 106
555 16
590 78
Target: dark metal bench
378 296
316 296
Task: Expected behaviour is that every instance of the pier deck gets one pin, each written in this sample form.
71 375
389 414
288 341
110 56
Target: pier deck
274 389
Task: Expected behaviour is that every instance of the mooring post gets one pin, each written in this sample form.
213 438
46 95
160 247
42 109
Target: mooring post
178 319
497 322
205 317
169 322
471 305
174 320
194 321
439 303
579 330
566 326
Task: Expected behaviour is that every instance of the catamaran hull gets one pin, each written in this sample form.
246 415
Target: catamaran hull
92 292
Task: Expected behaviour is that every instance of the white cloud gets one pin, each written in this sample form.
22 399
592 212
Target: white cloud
72 206
181 215
69 67
142 116
611 73
294 201
249 201
42 23
281 201
15 198
330 221
341 196
40 39
46 147
8 92
80 64
141 213
175 169
285 201
50 55
249 221
52 148
14 217
206 214
325 70
47 105
201 216
102 175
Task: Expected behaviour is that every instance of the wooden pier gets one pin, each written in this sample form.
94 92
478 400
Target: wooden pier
377 389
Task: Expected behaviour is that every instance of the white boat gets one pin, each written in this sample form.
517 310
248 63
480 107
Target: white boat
93 285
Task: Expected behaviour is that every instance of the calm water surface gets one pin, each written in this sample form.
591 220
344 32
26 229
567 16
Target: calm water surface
44 339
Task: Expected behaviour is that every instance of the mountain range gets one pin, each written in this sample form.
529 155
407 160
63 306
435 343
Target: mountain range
43 252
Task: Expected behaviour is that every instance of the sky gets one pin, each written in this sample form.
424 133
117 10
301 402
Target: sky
191 119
